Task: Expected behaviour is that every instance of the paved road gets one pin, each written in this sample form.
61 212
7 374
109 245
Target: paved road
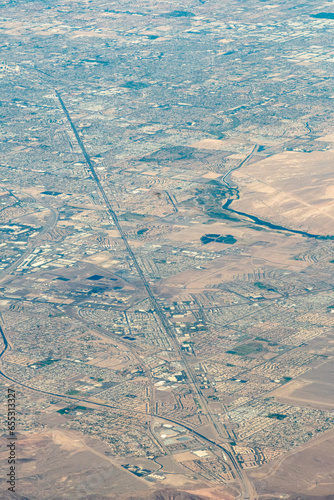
51 223
247 489
5 341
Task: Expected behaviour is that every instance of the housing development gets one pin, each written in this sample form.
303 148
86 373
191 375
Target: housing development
167 250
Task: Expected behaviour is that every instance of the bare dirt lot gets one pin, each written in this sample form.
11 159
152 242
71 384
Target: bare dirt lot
59 458
291 189
309 471
315 388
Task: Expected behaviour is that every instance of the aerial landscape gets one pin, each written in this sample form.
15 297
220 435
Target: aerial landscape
167 250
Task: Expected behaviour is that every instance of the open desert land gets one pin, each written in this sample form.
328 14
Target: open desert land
306 473
82 467
58 458
315 388
260 252
291 189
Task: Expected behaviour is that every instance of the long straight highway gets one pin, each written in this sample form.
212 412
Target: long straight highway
247 489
